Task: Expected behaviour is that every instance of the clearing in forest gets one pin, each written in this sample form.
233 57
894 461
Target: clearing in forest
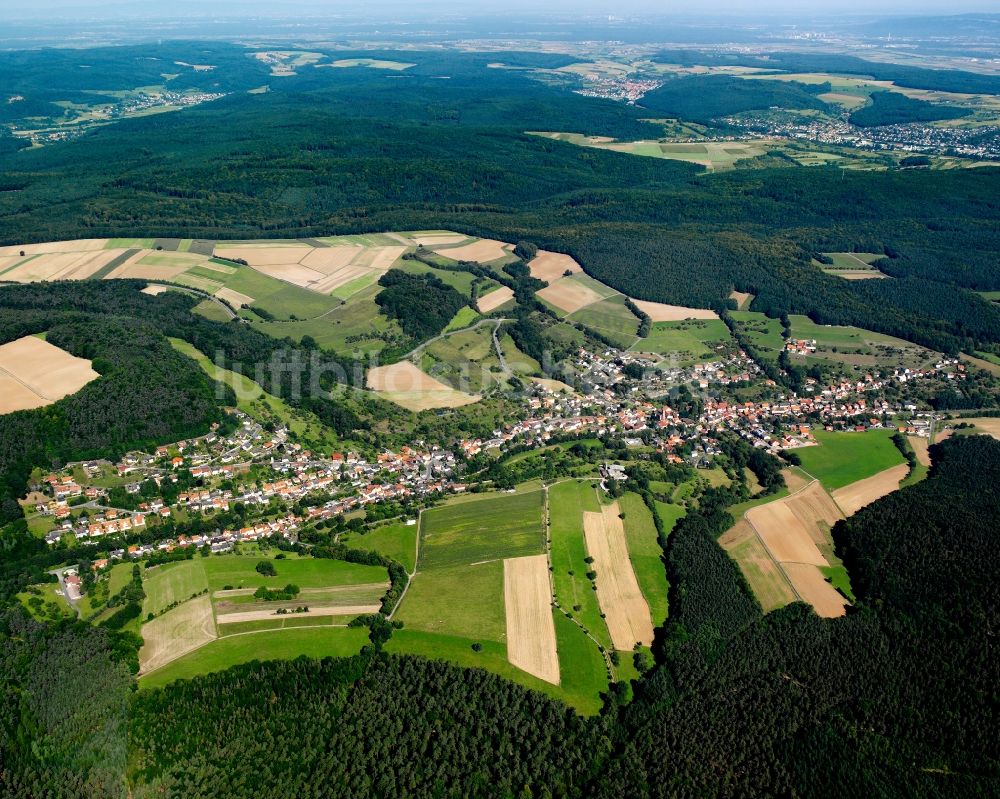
34 373
551 266
482 251
175 633
661 312
531 632
794 534
625 608
490 302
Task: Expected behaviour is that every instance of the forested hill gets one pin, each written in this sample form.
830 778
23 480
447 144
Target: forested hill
896 698
349 150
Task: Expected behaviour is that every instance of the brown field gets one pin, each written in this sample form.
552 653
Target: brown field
437 240
62 266
855 496
550 266
990 427
920 449
858 274
44 373
319 269
153 289
742 298
121 268
234 298
482 251
15 396
332 610
175 633
811 585
133 269
531 632
79 245
794 534
406 385
766 578
490 302
785 535
661 312
794 479
625 608
568 295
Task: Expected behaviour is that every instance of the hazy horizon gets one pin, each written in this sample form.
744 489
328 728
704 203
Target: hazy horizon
160 9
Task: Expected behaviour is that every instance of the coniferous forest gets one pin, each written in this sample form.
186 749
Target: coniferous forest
899 695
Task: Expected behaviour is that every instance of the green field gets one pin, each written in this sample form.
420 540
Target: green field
762 331
507 526
583 675
279 298
844 458
239 571
567 501
211 310
173 582
357 317
177 582
396 540
646 554
465 317
689 341
284 644
611 318
829 336
852 260
464 600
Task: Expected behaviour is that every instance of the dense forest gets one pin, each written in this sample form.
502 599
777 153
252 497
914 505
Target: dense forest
704 98
893 108
423 304
357 152
896 698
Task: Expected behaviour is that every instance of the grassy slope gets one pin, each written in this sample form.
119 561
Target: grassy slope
844 458
499 527
646 555
567 501
396 540
271 645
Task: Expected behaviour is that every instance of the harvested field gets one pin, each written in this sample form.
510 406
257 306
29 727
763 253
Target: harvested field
329 259
625 608
986 425
78 245
234 298
333 610
791 536
785 535
568 295
119 270
531 631
270 255
920 449
482 251
62 266
154 289
133 269
857 274
493 300
437 240
550 266
175 633
855 496
811 585
794 479
42 370
15 396
743 299
661 312
766 578
406 385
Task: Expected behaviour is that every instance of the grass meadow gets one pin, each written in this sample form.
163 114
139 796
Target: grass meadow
844 458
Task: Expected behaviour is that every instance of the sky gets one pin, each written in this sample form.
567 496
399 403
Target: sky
742 8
